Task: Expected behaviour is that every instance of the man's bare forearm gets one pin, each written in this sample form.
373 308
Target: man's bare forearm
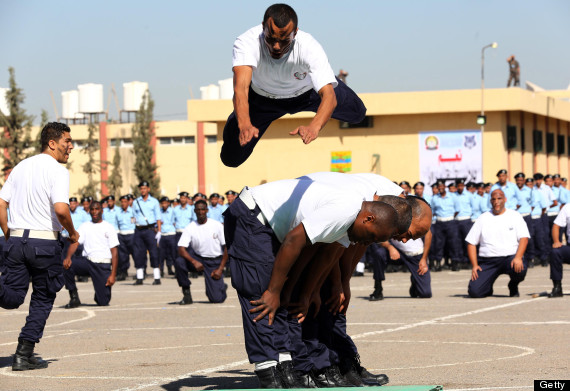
326 108
4 217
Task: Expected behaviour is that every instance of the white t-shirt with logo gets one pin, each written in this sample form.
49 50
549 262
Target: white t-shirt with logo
32 189
325 212
411 246
303 67
364 184
206 239
98 239
563 219
498 235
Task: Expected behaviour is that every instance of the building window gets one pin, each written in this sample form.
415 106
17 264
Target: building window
176 140
367 122
123 142
189 140
211 139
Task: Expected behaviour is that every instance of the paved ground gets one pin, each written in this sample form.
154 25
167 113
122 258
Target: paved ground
144 341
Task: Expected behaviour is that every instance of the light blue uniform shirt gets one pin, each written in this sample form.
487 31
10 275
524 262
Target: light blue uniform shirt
78 217
125 219
110 216
444 206
477 206
561 195
539 203
526 199
183 216
464 204
215 213
167 218
511 192
146 212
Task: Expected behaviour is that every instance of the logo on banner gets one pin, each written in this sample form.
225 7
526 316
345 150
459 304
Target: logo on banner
432 143
469 142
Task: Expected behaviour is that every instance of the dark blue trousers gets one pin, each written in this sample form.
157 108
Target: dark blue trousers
99 273
530 251
342 344
378 257
420 284
167 250
431 254
446 233
126 248
558 256
40 259
144 241
263 111
539 240
252 247
492 268
215 289
547 238
463 227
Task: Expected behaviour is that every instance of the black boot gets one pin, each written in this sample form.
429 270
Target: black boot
454 266
289 376
170 271
187 298
513 289
24 358
557 289
330 377
367 378
413 292
74 299
306 380
121 276
269 378
377 294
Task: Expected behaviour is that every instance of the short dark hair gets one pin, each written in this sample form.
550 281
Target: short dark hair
403 210
53 131
200 202
281 14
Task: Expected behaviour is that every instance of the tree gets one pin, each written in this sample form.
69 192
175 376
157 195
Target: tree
18 125
115 181
37 144
144 168
91 167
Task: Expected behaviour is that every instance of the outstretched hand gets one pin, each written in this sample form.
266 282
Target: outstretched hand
307 133
267 305
247 133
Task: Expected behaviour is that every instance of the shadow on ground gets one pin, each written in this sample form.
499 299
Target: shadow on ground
238 379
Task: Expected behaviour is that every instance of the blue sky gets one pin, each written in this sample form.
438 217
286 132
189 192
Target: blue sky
177 45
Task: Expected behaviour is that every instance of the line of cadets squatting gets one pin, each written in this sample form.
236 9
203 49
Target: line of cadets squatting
133 218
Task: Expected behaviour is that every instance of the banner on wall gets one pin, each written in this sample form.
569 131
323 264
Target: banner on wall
450 155
341 161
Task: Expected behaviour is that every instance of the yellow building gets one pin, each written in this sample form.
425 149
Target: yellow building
187 152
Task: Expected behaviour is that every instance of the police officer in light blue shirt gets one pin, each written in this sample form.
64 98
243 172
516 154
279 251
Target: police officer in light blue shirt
445 230
78 216
110 212
125 221
561 195
167 247
147 214
539 207
464 203
526 200
215 209
509 188
182 214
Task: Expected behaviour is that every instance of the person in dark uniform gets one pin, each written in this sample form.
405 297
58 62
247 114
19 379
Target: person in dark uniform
147 214
537 233
514 71
502 237
560 253
33 246
99 259
126 230
167 248
464 205
205 237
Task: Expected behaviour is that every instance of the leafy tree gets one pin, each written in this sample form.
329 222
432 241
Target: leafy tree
115 181
92 166
18 125
142 132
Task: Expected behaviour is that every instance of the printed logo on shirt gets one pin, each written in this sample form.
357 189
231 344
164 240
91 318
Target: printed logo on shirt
215 236
300 76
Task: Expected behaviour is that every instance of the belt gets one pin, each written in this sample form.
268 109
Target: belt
168 233
180 230
413 253
127 232
99 260
536 217
210 258
443 219
463 218
552 213
248 200
34 234
143 227
259 91
525 214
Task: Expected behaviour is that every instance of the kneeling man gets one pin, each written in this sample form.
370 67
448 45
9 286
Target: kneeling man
99 259
502 236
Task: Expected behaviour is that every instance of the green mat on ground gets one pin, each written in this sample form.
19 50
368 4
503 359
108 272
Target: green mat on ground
383 388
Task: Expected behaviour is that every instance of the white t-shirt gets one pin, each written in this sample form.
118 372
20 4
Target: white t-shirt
206 239
411 246
325 212
498 235
364 184
98 240
305 66
32 189
563 218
